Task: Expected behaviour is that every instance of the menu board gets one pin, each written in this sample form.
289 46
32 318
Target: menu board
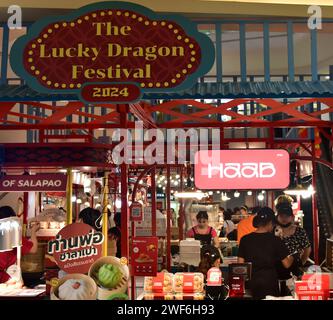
144 256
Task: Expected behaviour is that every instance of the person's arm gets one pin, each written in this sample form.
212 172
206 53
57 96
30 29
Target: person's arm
190 233
305 243
287 261
215 238
33 238
282 253
305 255
216 242
241 251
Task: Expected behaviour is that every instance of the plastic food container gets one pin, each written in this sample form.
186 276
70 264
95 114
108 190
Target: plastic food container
162 283
188 282
190 296
158 296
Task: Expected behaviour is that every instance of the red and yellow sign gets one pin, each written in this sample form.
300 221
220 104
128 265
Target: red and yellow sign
76 247
119 49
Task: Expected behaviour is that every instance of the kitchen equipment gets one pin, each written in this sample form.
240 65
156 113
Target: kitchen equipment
10 238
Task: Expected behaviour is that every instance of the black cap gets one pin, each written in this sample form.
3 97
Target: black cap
263 217
202 215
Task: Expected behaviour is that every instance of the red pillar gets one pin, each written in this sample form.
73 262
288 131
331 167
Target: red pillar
168 192
315 220
25 207
153 201
181 207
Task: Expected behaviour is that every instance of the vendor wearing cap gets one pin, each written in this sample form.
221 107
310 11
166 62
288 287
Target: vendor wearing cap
202 231
295 239
264 250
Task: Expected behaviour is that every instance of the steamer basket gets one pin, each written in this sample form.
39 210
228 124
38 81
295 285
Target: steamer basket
104 293
54 291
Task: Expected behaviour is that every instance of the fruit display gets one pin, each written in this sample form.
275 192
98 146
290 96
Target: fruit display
188 282
109 276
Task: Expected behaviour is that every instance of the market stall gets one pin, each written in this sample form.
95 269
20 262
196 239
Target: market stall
158 199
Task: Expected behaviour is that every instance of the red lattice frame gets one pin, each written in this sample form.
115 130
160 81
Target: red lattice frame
198 118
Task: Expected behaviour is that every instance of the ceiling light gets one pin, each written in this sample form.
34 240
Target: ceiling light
261 197
188 195
236 194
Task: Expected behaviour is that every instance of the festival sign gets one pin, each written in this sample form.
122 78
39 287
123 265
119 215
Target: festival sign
76 247
242 169
112 51
38 182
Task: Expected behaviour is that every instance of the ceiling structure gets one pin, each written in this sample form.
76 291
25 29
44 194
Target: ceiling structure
194 8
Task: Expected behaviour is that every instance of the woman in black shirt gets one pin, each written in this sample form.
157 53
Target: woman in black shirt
263 249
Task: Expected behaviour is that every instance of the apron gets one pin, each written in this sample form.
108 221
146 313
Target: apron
205 239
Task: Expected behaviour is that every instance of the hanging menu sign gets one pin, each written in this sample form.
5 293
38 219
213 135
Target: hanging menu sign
112 51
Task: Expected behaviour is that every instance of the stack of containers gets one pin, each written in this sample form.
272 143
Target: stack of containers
181 286
189 252
159 287
189 286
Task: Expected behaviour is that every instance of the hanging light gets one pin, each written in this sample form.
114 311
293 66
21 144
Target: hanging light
118 203
218 192
79 201
236 194
177 176
73 198
109 206
176 183
225 197
261 197
87 204
309 192
263 191
188 195
210 193
298 191
249 193
98 205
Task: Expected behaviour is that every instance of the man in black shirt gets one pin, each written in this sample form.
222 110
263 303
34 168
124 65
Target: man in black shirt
263 249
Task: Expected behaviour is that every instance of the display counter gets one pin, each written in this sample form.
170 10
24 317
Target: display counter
23 293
